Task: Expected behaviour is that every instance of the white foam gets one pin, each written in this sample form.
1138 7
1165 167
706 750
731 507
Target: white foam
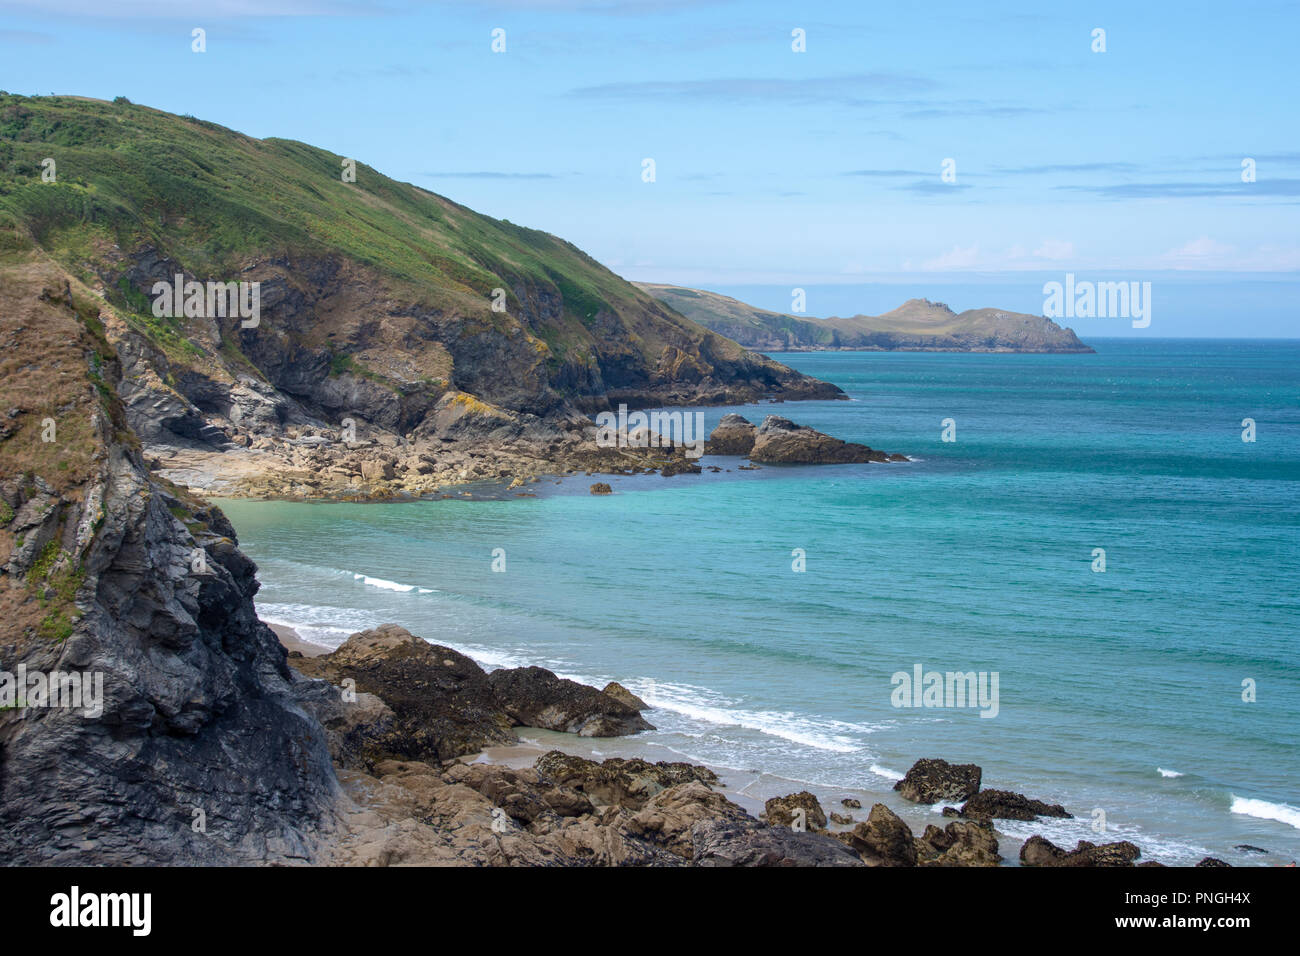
1264 810
1168 773
885 772
702 705
390 585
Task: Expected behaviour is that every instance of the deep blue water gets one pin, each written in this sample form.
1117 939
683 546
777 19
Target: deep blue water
977 556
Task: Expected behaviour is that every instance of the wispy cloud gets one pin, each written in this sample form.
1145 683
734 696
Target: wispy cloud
1047 169
858 89
1192 190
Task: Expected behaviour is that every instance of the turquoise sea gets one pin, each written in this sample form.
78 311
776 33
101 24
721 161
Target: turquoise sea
1118 691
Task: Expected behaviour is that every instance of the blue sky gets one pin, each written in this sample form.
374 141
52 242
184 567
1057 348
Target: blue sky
773 168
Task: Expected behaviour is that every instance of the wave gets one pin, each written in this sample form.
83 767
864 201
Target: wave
1168 773
1264 810
885 772
390 585
702 705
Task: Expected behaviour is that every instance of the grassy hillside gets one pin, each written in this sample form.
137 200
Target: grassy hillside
379 284
917 324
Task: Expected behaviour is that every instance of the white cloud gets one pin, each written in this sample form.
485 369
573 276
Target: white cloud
1055 249
958 257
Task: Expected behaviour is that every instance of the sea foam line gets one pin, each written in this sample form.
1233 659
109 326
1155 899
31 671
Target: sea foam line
1262 809
390 585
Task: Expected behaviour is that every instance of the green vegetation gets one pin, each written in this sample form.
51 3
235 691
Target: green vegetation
211 198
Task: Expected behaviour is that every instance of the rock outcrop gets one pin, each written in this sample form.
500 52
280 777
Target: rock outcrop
534 697
958 844
801 810
1038 851
733 436
780 441
197 751
882 839
1005 805
937 781
443 704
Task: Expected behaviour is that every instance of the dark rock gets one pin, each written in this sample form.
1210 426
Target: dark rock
601 488
1038 851
937 781
852 803
535 697
443 703
1248 848
1212 861
739 843
840 819
1005 805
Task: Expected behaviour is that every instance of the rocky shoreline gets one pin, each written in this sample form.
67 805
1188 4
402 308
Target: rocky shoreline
316 463
413 741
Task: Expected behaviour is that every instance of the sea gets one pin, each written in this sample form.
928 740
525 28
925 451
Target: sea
1107 546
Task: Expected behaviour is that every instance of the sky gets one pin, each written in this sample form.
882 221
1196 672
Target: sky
821 169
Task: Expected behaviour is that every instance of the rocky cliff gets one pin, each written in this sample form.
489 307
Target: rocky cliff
394 328
194 749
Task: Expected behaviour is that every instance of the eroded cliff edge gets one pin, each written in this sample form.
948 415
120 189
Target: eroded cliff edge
200 753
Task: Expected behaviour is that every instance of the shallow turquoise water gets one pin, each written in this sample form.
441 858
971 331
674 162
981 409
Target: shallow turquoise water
977 556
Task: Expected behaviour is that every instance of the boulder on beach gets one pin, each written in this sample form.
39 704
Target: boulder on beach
784 811
963 843
1039 851
780 441
441 702
619 782
882 840
407 699
535 697
937 781
1005 805
737 843
852 803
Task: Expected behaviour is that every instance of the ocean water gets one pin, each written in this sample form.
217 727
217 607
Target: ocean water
1120 692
